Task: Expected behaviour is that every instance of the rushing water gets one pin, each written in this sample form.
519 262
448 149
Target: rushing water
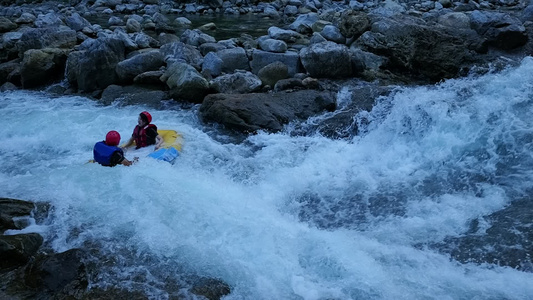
281 216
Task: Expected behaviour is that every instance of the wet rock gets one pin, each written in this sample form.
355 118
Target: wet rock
132 95
13 208
251 112
210 288
93 66
43 66
17 250
327 59
59 273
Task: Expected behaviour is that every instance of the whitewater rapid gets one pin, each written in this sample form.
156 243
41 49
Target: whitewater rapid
281 216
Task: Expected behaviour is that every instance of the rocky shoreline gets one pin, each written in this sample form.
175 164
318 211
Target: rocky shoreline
139 58
30 269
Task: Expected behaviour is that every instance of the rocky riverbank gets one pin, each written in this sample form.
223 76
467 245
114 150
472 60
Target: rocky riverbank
30 269
138 57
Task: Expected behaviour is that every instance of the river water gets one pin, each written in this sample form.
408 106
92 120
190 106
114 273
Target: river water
285 216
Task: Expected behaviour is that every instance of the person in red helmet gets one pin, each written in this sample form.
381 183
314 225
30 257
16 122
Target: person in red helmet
107 153
145 133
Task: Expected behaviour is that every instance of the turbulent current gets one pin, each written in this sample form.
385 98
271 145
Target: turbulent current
431 200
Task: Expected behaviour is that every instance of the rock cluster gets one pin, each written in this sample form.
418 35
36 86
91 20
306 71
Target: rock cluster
388 42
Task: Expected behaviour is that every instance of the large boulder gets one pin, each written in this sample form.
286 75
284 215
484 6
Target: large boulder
58 273
13 208
181 52
43 66
17 250
252 112
93 66
353 23
327 59
132 95
38 38
129 68
500 29
185 83
419 50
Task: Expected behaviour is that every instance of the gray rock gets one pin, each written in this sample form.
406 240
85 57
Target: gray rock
327 59
240 82
38 38
25 18
212 64
234 59
42 66
51 19
272 45
133 95
261 59
211 47
455 19
17 250
178 51
129 68
500 29
289 36
272 73
304 23
133 25
317 38
185 83
288 84
93 66
332 33
252 112
76 22
11 209
196 37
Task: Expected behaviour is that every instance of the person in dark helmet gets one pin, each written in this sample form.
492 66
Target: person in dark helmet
145 133
107 153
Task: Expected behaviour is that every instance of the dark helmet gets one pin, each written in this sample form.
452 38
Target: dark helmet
112 138
146 116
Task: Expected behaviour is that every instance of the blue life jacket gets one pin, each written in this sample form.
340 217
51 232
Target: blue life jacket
102 153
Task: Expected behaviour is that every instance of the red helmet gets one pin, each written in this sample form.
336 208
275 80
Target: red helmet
112 138
147 115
